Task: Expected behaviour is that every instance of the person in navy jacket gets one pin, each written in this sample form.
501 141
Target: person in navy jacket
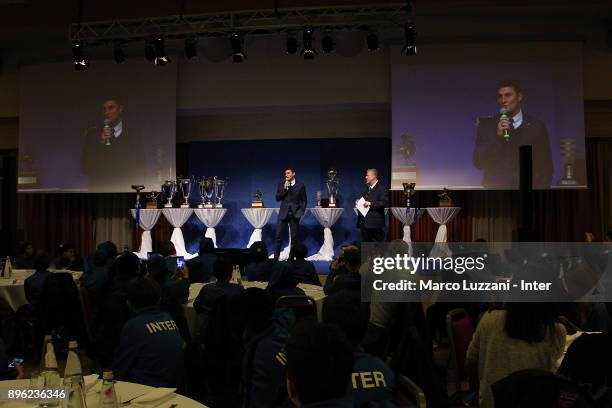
34 284
292 195
151 349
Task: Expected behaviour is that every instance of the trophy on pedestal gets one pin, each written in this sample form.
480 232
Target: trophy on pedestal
151 200
206 186
568 152
408 192
219 189
319 196
168 190
185 184
257 201
444 198
332 186
138 189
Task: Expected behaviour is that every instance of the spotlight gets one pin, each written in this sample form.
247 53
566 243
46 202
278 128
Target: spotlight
161 58
292 45
410 47
237 51
373 42
191 46
119 54
308 52
149 50
78 56
327 44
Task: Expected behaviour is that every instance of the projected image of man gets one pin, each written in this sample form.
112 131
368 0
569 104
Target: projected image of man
496 151
113 154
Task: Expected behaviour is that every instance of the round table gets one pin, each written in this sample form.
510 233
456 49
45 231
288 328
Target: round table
12 291
258 218
407 216
148 219
125 391
177 217
326 217
442 216
210 217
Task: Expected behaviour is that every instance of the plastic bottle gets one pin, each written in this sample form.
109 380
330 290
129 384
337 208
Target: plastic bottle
75 398
108 397
50 371
73 363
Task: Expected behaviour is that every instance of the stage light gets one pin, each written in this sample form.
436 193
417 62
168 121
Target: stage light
292 45
149 50
191 46
410 47
78 56
308 52
373 42
161 58
119 53
327 44
238 54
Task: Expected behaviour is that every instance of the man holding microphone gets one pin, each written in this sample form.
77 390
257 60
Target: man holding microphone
292 195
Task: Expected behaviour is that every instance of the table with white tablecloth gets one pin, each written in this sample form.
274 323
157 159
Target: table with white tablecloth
12 291
258 218
327 217
193 320
210 217
177 217
147 218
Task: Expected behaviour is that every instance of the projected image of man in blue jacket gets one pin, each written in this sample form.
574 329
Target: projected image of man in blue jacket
151 349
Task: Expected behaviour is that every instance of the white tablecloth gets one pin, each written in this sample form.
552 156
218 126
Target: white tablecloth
193 320
177 217
125 391
258 218
148 219
326 217
407 216
210 217
11 289
442 216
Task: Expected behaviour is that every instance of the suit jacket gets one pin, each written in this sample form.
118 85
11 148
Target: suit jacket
293 200
499 159
379 199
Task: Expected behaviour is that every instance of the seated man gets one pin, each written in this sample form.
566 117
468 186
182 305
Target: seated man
346 277
150 351
34 284
303 270
372 380
68 259
319 364
201 267
259 267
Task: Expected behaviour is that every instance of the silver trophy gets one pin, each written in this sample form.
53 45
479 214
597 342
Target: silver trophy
408 192
568 152
168 189
206 186
332 186
319 196
185 184
219 189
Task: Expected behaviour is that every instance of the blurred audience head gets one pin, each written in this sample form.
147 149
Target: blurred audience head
281 277
222 269
352 258
26 248
158 268
298 251
127 264
66 251
143 292
41 262
345 310
99 257
109 248
258 251
207 246
319 363
166 248
530 321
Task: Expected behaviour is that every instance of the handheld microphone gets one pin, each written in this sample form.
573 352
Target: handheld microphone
504 115
286 183
107 125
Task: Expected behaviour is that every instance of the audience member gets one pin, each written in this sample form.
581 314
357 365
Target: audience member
372 381
68 258
346 276
151 350
166 249
283 282
260 267
523 336
303 270
201 267
110 250
319 366
34 284
588 362
96 278
25 257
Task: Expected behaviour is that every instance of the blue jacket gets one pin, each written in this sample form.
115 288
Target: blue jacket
293 200
150 351
96 278
305 272
33 286
371 381
206 299
201 268
346 281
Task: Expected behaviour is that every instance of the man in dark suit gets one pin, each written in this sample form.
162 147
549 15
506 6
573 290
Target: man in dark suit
292 195
376 199
113 156
498 156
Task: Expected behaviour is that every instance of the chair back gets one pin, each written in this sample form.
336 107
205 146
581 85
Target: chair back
408 393
459 329
302 306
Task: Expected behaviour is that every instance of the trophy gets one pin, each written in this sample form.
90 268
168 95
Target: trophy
319 197
207 187
219 188
168 189
151 200
408 192
568 152
406 170
257 201
332 186
185 184
444 198
138 189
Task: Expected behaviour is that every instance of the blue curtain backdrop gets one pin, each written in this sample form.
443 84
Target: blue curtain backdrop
260 164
